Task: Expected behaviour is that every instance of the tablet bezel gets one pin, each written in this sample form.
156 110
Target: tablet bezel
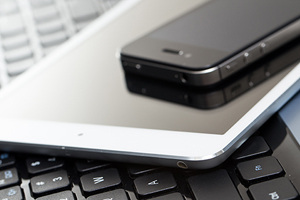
186 149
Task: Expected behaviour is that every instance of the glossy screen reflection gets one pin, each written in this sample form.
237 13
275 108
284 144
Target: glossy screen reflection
99 95
225 103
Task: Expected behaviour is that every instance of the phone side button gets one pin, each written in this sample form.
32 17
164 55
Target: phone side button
263 48
231 67
252 54
247 57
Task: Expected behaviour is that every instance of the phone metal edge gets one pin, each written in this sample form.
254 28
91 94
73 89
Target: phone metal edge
220 72
260 49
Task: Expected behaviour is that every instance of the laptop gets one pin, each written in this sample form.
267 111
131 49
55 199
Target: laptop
265 167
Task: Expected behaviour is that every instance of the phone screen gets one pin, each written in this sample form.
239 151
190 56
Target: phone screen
229 25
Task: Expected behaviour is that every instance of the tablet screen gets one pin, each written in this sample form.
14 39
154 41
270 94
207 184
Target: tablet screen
96 92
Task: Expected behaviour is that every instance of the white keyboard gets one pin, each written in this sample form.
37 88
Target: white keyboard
30 29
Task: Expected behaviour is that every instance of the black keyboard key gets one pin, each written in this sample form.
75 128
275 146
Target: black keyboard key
65 195
118 194
100 180
253 147
173 196
6 160
136 170
43 164
49 182
213 186
13 193
87 165
153 183
259 168
278 189
8 177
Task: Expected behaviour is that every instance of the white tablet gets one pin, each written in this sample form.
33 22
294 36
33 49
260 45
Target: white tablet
77 101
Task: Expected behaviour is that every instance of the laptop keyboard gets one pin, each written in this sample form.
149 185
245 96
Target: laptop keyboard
31 29
260 169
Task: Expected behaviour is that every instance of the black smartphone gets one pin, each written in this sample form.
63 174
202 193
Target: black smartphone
213 41
219 94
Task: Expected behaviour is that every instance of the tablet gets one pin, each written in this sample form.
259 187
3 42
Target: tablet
75 102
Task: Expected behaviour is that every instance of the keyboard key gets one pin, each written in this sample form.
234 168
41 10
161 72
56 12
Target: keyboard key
48 50
88 165
19 67
11 25
15 41
113 2
259 168
118 194
153 183
8 177
136 170
82 10
253 147
12 193
105 5
174 196
80 25
53 39
42 164
50 27
8 7
39 3
213 186
6 160
66 195
49 182
100 180
278 189
18 54
45 13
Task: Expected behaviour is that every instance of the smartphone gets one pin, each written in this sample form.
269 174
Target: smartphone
75 103
214 41
220 94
